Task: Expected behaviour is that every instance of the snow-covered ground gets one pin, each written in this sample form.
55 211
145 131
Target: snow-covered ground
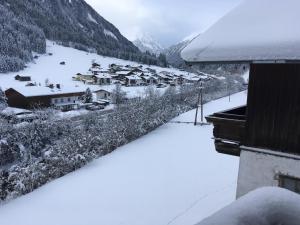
48 67
172 176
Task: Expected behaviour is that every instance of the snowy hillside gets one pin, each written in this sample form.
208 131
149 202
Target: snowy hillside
171 176
48 67
72 23
146 43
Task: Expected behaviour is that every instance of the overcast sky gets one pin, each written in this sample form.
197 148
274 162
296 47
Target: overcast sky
168 21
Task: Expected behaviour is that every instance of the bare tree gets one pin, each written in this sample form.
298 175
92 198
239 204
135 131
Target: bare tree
3 100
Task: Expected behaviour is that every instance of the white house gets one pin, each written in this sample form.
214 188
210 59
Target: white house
103 95
150 80
102 79
134 80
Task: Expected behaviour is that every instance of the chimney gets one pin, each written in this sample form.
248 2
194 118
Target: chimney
58 86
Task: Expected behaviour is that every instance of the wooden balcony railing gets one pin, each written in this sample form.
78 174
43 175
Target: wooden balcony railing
229 130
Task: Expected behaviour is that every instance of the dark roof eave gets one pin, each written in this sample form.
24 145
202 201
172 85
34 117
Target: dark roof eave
243 62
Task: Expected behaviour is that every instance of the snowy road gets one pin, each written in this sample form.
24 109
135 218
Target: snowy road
171 176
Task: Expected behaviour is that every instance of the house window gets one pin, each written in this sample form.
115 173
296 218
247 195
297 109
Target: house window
61 100
290 183
69 99
55 101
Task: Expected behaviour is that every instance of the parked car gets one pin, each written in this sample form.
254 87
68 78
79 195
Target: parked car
102 102
95 107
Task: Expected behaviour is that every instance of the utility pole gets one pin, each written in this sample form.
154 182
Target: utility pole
228 91
197 109
200 103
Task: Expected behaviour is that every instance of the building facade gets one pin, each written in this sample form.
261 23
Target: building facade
265 133
103 95
28 99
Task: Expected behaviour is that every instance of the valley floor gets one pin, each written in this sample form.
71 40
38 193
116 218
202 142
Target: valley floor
171 176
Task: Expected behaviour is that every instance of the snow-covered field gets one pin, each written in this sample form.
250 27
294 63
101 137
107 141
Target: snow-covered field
170 176
48 67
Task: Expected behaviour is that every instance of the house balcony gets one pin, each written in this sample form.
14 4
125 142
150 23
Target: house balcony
229 130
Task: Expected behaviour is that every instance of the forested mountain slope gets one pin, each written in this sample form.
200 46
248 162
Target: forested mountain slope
25 26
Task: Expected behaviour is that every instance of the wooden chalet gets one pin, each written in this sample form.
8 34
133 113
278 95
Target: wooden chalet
165 77
96 65
87 78
23 78
102 79
32 97
266 132
120 75
113 68
133 80
136 70
95 70
149 79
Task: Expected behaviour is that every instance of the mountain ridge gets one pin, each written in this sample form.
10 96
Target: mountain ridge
173 53
145 43
27 24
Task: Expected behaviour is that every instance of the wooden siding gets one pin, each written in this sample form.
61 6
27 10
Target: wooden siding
273 114
15 99
229 130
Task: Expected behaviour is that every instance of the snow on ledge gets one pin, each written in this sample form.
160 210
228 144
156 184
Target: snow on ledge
256 30
265 206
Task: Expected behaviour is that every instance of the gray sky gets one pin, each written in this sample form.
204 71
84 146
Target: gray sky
168 21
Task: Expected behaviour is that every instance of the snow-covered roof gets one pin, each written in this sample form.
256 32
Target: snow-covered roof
133 77
147 74
123 72
264 206
101 91
149 78
139 73
256 30
88 73
95 69
193 78
103 75
44 91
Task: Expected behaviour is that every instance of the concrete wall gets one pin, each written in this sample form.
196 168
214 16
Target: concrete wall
261 170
